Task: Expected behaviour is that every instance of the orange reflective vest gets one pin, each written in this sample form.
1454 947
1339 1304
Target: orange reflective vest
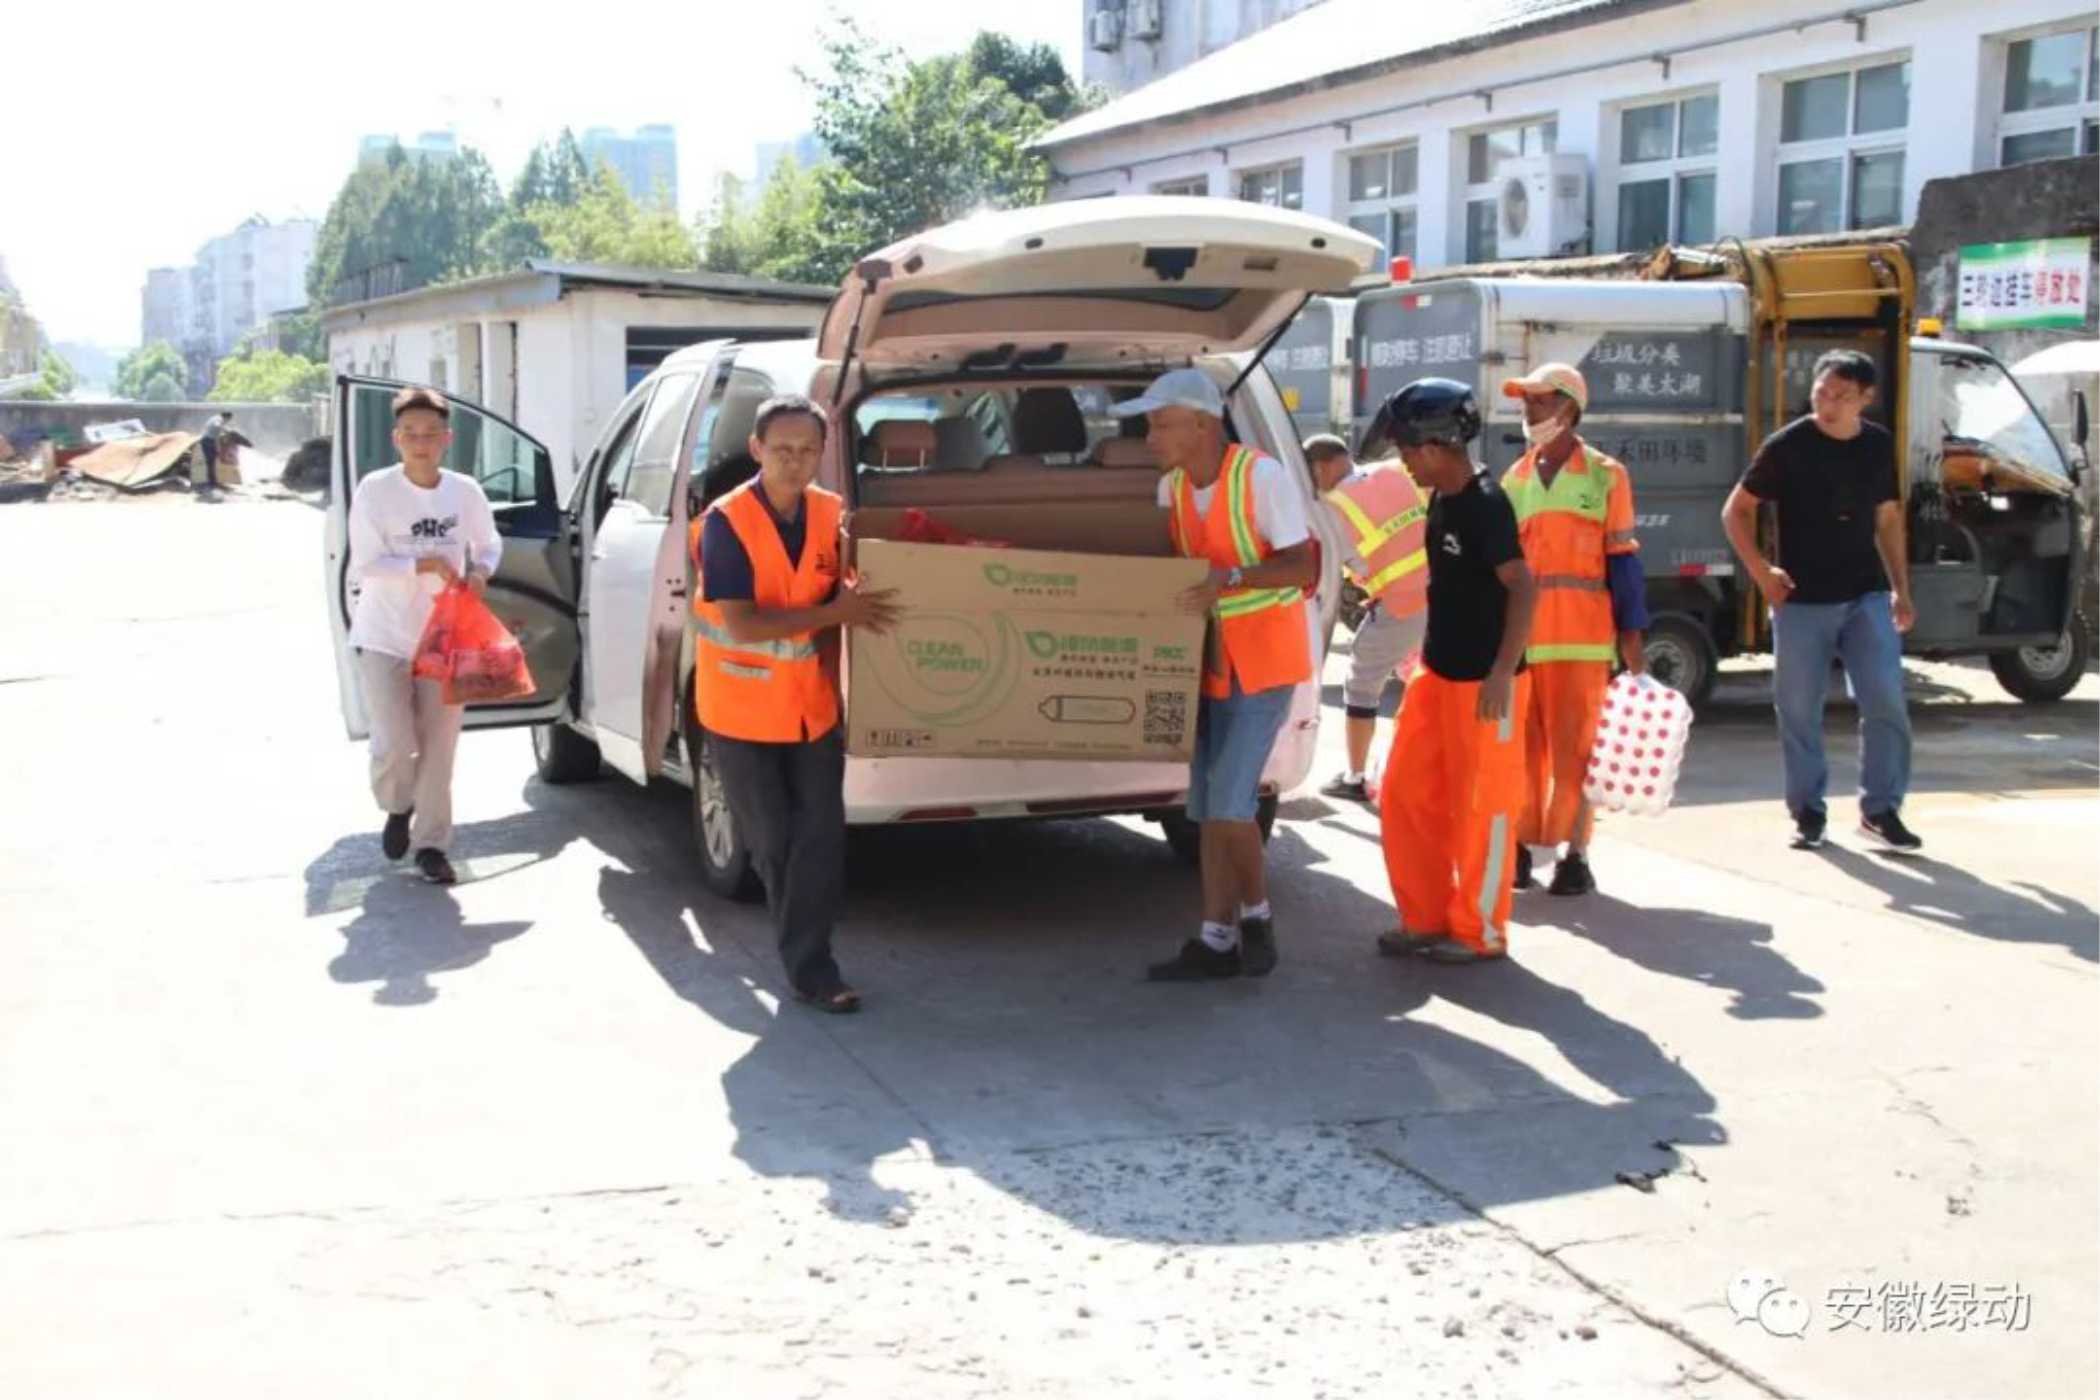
782 691
1262 632
1568 528
1386 516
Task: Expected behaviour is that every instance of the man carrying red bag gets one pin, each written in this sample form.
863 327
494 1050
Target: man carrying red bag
415 528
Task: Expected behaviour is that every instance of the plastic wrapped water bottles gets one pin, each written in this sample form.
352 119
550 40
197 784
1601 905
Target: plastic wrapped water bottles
1640 747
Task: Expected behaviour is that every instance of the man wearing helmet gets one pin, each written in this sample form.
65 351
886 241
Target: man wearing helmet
1454 781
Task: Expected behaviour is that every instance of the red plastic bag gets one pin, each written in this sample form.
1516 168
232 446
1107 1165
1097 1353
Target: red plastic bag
469 652
921 528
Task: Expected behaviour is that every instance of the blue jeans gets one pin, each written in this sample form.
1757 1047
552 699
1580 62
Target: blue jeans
1806 637
1233 740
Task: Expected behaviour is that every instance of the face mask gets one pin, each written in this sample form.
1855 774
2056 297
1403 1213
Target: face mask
1539 434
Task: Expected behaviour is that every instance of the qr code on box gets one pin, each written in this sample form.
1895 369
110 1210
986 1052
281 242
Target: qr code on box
1166 716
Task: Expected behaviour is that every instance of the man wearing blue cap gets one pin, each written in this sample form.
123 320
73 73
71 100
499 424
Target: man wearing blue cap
1244 514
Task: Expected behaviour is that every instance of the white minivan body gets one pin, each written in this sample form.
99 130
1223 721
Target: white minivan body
1012 333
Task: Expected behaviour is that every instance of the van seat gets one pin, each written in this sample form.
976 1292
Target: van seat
899 442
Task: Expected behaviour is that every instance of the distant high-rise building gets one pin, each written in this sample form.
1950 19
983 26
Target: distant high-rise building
646 162
430 145
165 312
805 150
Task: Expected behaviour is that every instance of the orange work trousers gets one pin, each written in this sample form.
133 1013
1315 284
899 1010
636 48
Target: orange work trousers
1567 702
1448 812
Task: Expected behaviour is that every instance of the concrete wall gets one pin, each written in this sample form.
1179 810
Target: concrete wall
274 428
1955 49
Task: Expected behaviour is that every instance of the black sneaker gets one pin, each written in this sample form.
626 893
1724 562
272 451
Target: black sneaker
1808 831
1524 880
1257 947
1571 875
1196 962
436 869
1889 830
393 841
1348 789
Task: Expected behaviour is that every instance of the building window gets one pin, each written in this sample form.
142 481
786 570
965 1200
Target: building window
1280 185
2052 96
1382 188
1484 151
1841 141
1667 156
1193 185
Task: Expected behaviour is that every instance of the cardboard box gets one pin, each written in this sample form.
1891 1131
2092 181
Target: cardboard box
1025 653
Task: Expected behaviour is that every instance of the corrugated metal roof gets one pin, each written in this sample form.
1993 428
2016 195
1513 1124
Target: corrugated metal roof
720 283
1335 42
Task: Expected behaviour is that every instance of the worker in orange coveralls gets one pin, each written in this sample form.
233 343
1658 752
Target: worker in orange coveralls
1575 516
1454 778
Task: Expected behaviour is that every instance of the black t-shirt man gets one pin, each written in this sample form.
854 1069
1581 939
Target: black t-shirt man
1826 490
1471 533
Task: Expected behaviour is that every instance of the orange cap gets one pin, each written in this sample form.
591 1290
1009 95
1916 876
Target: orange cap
1551 379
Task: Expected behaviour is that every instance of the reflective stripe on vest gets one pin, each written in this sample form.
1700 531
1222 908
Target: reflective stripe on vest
1392 549
1573 621
780 690
1261 632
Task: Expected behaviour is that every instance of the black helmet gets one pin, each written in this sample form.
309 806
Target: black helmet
1428 410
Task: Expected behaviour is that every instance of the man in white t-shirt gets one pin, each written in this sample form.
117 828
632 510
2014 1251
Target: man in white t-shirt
1243 514
414 528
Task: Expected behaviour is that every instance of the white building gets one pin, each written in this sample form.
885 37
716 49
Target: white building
164 310
554 347
646 162
1621 117
241 279
1133 42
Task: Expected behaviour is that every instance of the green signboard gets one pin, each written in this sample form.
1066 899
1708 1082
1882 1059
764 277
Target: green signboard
2018 286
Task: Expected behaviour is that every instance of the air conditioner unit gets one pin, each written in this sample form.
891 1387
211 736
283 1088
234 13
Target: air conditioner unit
1104 29
1542 206
1147 19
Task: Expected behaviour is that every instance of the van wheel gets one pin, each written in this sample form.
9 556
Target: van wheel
1186 837
725 863
2044 675
562 755
1681 656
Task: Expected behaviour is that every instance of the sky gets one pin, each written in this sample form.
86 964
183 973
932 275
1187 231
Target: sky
125 170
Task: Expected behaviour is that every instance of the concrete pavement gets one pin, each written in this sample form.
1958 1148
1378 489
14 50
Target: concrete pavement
278 1116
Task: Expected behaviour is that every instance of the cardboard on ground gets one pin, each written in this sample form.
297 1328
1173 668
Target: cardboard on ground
1025 653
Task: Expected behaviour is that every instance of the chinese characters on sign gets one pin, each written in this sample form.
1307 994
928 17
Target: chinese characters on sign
2039 283
1304 358
1642 371
1421 350
1653 451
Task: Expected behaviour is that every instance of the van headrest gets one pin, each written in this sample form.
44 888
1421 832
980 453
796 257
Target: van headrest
1125 452
899 442
1047 421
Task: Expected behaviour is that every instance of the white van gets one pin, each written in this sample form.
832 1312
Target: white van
970 365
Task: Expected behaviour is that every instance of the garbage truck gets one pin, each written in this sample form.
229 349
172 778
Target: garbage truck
1703 353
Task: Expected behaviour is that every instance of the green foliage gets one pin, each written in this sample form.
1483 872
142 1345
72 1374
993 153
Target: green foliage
38 392
268 376
58 375
149 366
914 145
431 216
776 237
605 225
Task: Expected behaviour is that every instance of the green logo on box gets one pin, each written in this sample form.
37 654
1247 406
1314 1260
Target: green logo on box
1000 576
1050 645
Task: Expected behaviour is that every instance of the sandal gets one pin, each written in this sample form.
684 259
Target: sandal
841 1000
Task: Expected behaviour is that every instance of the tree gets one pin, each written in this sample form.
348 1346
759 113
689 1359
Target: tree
57 373
776 237
150 366
606 226
920 144
429 217
268 376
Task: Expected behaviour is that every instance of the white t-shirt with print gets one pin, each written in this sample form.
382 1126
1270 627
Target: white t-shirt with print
393 524
1279 511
